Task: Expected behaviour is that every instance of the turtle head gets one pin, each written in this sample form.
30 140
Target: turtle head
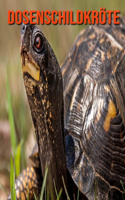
41 73
39 62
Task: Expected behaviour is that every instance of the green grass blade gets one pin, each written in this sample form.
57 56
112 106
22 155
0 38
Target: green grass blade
59 195
55 189
60 192
44 184
68 198
10 115
12 180
122 186
35 197
123 190
78 195
17 158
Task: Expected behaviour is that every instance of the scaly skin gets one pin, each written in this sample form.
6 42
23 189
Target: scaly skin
27 184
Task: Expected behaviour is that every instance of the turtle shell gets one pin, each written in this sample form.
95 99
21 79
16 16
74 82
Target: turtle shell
94 111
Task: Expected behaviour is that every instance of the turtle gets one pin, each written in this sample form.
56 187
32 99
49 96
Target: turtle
82 105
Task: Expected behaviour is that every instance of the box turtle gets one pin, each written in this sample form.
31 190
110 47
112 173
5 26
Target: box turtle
87 109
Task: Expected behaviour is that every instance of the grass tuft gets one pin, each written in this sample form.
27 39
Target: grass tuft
10 116
17 158
12 180
44 184
68 198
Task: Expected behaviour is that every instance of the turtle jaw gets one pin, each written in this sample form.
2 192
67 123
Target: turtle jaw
29 65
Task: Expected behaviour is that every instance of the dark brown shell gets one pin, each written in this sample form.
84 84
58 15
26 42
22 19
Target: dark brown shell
94 110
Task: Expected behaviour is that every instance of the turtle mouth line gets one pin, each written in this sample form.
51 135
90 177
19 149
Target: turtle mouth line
29 65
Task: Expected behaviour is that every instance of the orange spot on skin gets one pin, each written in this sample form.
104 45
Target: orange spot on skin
22 196
24 184
28 169
21 187
110 115
30 184
17 194
32 170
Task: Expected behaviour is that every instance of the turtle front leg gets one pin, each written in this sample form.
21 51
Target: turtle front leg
28 183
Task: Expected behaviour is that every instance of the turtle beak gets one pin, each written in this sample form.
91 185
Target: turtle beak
28 64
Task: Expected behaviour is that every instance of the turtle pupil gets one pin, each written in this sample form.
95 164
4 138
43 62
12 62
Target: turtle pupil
38 42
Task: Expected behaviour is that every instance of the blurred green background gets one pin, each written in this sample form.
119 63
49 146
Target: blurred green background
60 37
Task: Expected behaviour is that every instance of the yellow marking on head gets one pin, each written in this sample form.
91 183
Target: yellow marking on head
31 69
88 64
110 115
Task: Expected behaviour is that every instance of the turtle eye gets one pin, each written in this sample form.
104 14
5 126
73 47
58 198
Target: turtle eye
37 42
